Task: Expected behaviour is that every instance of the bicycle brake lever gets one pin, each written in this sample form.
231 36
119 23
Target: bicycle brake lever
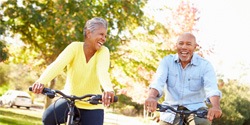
48 92
202 113
95 99
161 108
50 95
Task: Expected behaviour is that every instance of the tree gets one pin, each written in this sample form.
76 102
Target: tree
3 51
235 106
47 27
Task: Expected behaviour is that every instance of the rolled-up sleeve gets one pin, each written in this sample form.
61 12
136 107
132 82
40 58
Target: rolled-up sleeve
160 77
210 82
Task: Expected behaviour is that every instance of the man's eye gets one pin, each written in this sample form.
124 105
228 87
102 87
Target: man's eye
180 43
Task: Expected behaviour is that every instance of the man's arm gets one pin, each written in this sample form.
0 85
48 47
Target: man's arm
215 111
153 93
151 101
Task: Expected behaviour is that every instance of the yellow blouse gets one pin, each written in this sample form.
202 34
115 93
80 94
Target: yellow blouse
82 77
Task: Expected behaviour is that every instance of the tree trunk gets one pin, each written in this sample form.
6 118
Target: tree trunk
48 101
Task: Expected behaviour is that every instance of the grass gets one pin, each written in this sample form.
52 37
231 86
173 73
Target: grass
10 118
22 117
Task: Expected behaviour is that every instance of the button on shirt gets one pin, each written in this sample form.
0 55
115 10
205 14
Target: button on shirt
189 86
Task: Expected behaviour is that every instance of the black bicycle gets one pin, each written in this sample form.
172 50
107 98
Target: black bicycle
93 99
201 113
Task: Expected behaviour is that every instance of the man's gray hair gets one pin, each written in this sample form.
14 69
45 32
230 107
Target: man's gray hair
93 23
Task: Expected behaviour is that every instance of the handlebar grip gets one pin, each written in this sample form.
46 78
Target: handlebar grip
30 88
115 98
45 90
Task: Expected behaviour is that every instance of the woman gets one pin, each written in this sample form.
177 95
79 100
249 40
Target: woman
87 66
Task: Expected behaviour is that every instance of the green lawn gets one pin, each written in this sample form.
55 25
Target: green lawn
10 118
22 117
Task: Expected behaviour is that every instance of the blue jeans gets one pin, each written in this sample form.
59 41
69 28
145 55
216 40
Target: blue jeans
58 111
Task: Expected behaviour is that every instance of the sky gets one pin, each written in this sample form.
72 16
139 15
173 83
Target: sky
224 24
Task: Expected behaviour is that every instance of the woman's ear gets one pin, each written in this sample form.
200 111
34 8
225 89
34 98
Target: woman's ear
88 33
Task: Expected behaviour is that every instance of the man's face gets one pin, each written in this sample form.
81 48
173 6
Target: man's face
186 45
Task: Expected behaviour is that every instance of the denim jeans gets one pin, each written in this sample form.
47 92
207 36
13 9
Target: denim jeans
57 112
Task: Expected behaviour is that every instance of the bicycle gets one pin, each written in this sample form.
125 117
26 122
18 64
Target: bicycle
201 113
93 99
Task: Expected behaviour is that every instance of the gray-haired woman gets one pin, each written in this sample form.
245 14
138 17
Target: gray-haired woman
87 66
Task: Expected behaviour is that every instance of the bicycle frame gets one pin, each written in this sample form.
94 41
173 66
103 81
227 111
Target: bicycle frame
70 117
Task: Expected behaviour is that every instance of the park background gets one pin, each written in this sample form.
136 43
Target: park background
141 33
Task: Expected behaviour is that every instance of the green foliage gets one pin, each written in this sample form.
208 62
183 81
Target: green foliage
235 105
21 77
3 51
127 107
136 60
4 71
3 89
49 26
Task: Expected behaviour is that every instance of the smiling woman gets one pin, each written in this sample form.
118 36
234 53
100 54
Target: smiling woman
87 66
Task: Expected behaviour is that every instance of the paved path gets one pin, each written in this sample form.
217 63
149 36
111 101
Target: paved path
118 119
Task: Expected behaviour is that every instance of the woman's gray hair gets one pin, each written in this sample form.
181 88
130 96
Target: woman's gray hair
93 23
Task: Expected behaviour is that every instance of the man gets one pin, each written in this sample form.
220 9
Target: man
187 80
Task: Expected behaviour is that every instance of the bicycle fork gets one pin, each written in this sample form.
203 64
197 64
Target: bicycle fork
71 113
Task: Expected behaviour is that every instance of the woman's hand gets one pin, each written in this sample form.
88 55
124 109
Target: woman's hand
37 88
107 98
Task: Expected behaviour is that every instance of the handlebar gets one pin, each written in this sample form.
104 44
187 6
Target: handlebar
202 113
93 98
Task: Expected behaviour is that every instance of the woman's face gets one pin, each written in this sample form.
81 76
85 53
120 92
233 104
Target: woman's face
98 37
186 46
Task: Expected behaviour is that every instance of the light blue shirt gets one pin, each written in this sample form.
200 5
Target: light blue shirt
189 86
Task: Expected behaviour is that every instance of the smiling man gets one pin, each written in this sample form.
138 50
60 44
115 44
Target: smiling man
187 80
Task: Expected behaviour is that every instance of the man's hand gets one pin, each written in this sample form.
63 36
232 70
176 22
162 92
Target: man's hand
214 112
151 104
